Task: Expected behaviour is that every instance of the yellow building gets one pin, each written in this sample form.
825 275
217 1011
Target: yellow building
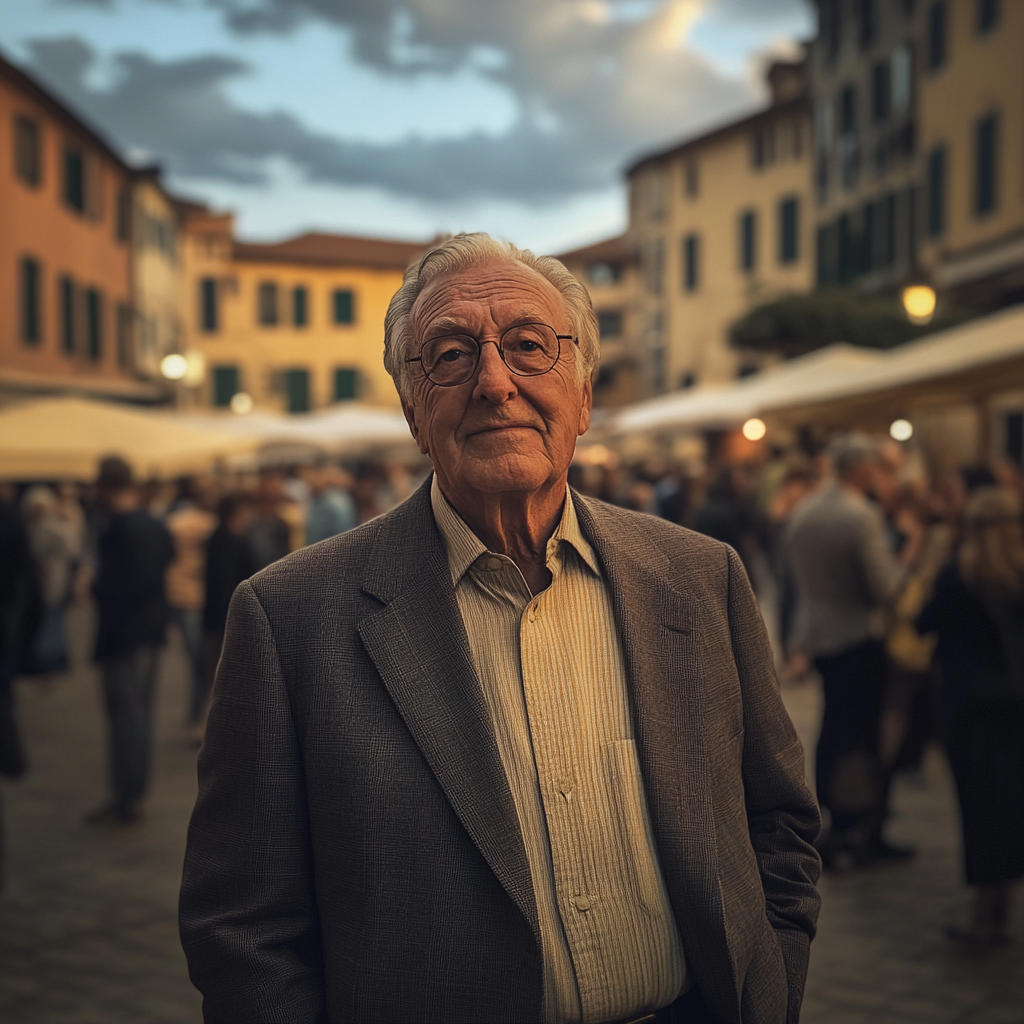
294 325
65 252
720 223
608 271
156 285
972 152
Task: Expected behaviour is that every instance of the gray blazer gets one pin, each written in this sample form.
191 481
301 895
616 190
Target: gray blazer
355 855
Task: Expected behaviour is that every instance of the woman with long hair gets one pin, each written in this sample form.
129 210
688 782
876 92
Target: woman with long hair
977 614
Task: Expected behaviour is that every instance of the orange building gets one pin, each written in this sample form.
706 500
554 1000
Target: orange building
65 253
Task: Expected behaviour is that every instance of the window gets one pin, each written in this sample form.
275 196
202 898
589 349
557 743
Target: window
31 327
762 146
609 323
300 306
691 263
94 324
868 23
208 312
748 240
74 179
831 26
789 223
988 15
225 385
654 265
28 154
848 109
124 214
691 179
985 165
344 306
880 91
937 43
603 274
266 302
68 319
124 334
901 78
346 383
296 386
936 191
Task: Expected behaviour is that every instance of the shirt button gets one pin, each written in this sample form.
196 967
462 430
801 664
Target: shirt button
494 563
582 903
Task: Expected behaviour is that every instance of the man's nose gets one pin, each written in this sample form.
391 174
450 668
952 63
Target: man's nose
495 382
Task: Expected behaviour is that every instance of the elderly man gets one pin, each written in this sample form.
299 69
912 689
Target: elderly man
504 753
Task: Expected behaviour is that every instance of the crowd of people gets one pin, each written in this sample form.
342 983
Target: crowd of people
902 591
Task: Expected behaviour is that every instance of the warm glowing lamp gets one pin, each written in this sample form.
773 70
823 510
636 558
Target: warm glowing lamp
919 303
241 403
174 366
754 429
901 430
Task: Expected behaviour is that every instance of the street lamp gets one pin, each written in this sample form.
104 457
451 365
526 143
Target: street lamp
919 302
901 430
174 366
241 403
754 429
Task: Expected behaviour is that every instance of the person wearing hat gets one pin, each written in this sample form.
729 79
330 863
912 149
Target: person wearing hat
134 551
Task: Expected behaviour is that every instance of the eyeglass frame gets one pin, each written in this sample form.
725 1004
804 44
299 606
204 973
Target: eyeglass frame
497 344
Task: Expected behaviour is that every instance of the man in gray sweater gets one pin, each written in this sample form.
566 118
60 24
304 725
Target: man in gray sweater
844 574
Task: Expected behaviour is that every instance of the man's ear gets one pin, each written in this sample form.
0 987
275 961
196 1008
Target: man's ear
410 418
588 404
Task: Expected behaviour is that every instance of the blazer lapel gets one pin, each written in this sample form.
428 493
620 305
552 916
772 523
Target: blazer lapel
418 644
660 629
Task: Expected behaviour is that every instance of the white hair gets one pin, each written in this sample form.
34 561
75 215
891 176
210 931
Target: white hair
465 250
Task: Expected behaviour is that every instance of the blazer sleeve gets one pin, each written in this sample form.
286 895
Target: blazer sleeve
782 813
248 914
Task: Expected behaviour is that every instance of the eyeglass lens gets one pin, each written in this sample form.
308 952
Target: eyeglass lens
528 350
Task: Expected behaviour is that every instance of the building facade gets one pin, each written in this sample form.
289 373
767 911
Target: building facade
919 147
719 224
293 326
65 252
608 271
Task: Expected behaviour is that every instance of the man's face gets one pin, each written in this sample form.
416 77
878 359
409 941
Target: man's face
498 432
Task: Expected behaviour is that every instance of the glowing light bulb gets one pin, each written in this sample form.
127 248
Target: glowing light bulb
901 430
919 303
754 429
174 366
241 403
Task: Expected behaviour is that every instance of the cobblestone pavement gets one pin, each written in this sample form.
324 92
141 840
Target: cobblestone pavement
88 929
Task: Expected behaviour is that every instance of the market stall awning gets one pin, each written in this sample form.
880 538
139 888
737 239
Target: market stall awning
64 438
963 364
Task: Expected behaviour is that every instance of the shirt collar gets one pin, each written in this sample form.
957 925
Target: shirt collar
465 547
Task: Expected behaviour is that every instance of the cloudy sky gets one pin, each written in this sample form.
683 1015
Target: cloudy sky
404 117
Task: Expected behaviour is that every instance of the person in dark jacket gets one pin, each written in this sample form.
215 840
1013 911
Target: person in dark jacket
134 551
230 558
977 613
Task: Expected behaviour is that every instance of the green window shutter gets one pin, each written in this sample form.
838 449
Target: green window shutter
936 191
297 390
300 306
74 179
344 306
788 231
94 324
30 305
346 383
985 165
68 320
208 318
225 385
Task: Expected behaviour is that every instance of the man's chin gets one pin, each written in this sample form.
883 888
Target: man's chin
507 473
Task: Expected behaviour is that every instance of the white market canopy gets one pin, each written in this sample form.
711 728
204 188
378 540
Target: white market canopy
962 364
64 438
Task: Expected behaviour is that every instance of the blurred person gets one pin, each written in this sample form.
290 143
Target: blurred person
844 575
269 532
503 753
54 562
133 553
977 614
331 509
190 524
229 560
728 514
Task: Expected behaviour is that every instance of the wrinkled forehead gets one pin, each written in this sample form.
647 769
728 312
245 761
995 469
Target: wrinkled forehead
492 294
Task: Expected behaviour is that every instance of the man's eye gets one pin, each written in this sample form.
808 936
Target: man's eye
451 355
528 345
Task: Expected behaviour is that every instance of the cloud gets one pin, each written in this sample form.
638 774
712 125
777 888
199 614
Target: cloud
595 82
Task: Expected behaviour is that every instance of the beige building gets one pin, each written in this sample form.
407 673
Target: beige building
720 223
608 270
295 325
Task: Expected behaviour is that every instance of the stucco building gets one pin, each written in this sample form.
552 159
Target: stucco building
294 325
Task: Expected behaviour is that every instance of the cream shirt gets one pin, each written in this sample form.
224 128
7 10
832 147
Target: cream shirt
554 680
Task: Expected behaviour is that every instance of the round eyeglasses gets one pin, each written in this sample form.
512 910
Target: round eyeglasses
528 350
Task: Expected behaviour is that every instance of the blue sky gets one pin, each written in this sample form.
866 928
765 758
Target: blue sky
404 117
